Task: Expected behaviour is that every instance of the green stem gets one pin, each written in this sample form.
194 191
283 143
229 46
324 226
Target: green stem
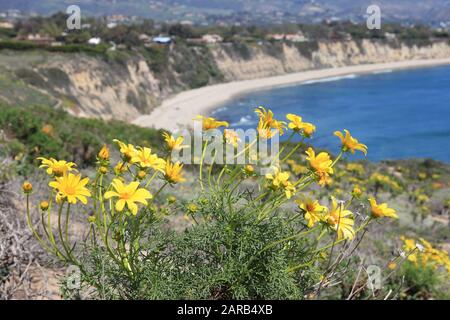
201 165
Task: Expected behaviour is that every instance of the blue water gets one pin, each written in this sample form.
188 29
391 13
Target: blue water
398 115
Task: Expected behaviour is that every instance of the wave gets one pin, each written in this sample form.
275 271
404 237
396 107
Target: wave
383 71
246 120
331 79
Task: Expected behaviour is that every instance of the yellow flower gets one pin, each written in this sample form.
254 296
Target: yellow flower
55 167
121 167
27 187
295 123
192 208
392 266
71 187
172 172
146 159
211 123
103 153
349 143
340 221
381 210
231 137
127 150
268 122
141 174
249 169
48 129
172 143
298 125
313 211
357 192
128 195
308 129
321 164
280 180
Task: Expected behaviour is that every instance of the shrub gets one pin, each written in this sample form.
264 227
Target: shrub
241 243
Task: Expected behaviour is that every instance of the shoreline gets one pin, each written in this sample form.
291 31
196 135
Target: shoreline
178 111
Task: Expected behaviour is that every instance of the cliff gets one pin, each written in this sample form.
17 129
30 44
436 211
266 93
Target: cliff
123 85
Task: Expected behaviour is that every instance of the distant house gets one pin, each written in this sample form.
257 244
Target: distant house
162 40
37 38
94 41
390 36
276 36
6 25
293 37
296 37
111 25
145 38
211 38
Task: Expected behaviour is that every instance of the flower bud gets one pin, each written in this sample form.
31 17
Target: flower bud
104 153
44 205
27 187
103 170
171 199
141 174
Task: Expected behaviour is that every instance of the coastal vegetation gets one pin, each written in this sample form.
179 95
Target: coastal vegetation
140 226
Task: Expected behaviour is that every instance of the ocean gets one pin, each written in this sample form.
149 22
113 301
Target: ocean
398 115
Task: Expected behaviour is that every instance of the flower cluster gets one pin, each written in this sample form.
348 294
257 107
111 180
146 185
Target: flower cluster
421 253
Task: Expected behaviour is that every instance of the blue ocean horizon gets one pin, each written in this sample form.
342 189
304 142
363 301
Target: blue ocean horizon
398 115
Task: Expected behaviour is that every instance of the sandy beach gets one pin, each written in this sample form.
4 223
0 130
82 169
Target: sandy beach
178 111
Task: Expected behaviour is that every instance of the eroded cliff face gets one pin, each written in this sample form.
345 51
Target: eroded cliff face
96 88
326 55
92 86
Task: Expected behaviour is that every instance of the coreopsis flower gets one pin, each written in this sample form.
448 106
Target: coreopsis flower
44 205
141 174
357 192
249 170
267 122
381 210
72 188
121 167
173 143
56 167
103 153
27 187
209 123
308 129
48 129
231 137
321 165
146 159
313 211
128 151
392 266
172 172
279 180
340 220
349 143
295 123
192 208
128 195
